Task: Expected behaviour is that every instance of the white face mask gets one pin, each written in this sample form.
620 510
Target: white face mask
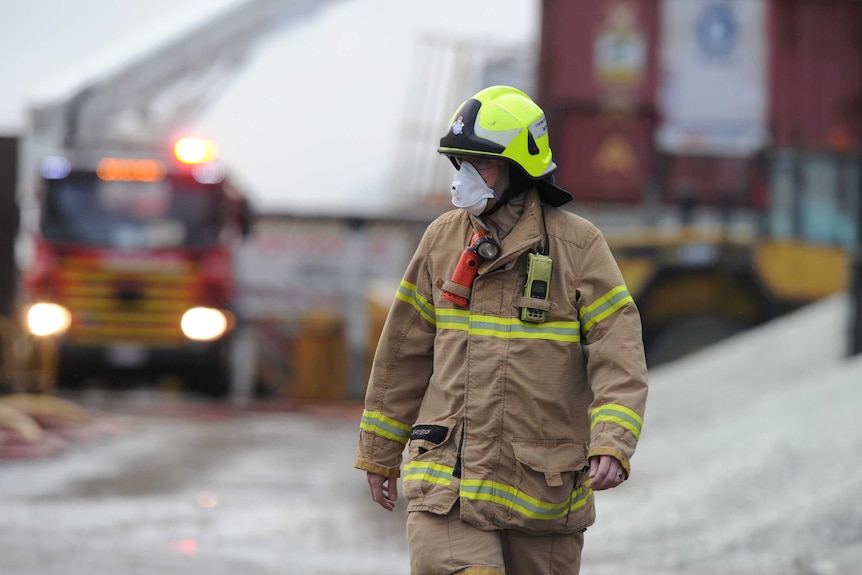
469 191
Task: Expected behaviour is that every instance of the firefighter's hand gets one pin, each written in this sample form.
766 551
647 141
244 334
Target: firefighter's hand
605 472
384 490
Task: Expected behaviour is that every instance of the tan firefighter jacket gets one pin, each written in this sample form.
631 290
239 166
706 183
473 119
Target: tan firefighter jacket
498 413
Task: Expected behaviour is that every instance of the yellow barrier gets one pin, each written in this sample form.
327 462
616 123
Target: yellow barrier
319 359
27 363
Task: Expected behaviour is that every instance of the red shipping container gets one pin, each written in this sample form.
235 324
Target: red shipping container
599 80
597 86
816 84
603 157
592 50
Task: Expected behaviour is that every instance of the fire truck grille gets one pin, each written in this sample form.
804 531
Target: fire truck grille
138 304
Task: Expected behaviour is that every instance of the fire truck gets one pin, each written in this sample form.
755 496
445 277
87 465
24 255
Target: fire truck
132 267
129 233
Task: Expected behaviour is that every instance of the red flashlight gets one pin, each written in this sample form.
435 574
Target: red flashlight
480 249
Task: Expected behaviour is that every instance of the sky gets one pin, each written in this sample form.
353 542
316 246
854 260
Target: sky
313 122
51 47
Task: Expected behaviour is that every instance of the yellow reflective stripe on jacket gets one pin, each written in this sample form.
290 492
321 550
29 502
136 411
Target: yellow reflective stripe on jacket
495 492
430 472
619 414
517 500
507 327
378 424
475 324
605 306
408 294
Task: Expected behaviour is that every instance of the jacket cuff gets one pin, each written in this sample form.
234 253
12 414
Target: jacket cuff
614 440
378 469
384 452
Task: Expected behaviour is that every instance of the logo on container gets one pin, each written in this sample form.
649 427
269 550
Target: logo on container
717 30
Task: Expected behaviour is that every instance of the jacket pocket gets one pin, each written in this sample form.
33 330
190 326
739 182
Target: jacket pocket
553 460
429 472
426 437
551 476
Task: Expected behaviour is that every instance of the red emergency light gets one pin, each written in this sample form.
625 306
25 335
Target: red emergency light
130 170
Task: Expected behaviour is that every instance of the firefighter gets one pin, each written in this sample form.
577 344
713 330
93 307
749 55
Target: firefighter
510 366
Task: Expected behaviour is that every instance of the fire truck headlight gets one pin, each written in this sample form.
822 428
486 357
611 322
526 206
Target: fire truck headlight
204 324
48 319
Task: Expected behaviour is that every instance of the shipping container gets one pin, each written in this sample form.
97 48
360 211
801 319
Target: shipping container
816 74
689 94
597 82
729 132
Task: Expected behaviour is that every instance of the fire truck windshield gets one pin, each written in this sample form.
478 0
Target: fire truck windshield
172 212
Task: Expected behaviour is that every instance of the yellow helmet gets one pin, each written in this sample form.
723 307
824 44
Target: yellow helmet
504 123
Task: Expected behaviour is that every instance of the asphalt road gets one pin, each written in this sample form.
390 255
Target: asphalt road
165 485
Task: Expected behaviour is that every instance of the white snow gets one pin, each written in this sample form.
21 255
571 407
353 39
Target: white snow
749 461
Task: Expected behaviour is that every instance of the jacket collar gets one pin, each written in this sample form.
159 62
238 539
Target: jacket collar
527 235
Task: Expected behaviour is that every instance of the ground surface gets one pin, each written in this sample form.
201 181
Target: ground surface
748 465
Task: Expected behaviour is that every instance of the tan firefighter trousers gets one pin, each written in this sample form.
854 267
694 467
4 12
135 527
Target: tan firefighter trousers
444 545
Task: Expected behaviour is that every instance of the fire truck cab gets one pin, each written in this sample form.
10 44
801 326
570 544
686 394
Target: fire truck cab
132 267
